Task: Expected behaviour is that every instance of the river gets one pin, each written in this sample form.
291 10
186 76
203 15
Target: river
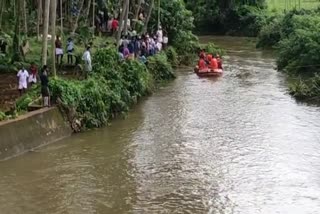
234 144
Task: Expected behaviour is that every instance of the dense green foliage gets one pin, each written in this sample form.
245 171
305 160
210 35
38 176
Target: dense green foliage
172 56
24 101
179 27
270 34
295 35
2 116
228 17
300 51
160 68
213 49
279 26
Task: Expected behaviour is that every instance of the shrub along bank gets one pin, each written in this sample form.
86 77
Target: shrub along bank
295 35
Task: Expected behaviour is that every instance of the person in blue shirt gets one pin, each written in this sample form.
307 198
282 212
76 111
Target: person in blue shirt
70 49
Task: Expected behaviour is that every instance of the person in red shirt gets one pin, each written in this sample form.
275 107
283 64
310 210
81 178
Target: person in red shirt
114 25
202 64
219 62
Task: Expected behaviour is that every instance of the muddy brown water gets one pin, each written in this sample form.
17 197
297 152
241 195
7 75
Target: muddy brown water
235 144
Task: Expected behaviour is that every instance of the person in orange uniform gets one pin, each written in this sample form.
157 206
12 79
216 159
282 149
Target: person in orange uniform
213 64
208 59
219 60
202 64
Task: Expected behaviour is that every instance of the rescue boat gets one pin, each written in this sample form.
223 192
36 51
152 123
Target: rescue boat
208 72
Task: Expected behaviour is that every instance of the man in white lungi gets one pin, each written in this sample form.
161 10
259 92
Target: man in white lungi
87 61
22 80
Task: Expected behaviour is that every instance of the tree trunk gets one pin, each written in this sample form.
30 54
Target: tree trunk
75 24
159 13
136 16
145 27
93 12
61 17
126 17
16 56
45 32
53 5
24 13
123 13
39 15
88 12
14 8
2 5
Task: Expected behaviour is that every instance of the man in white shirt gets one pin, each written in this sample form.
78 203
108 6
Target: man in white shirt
87 61
22 80
158 46
165 41
160 35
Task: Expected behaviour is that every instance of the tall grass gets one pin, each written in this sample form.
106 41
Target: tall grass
281 5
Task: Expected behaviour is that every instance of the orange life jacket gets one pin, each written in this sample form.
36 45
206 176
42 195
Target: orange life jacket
214 64
209 58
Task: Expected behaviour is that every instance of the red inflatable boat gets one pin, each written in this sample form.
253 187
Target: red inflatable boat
208 72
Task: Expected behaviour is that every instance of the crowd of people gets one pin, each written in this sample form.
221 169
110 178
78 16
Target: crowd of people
131 46
209 61
141 47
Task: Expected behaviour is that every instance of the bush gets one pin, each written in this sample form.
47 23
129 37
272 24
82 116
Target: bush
172 56
3 116
270 34
279 27
186 43
213 49
300 51
160 68
24 101
306 89
248 21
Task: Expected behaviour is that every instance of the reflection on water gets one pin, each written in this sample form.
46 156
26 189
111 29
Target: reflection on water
235 144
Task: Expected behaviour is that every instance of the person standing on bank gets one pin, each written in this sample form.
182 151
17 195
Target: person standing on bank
22 76
70 49
59 50
45 86
33 74
87 61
